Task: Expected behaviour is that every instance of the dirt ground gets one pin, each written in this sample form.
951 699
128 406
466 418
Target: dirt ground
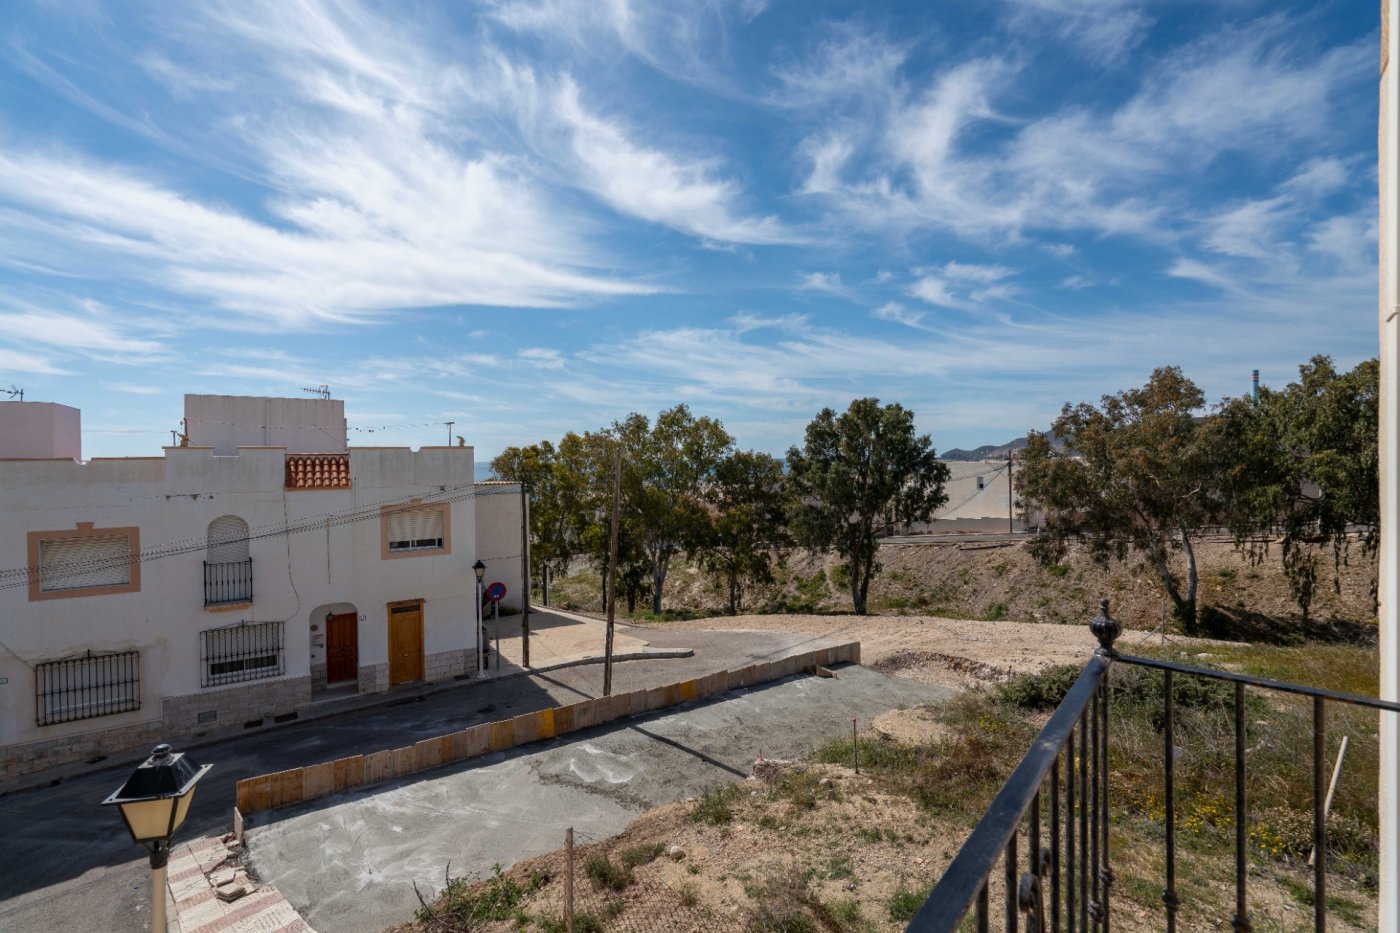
990 581
933 650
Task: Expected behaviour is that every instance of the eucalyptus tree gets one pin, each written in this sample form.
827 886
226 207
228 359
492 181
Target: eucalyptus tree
1301 465
748 529
1137 473
854 472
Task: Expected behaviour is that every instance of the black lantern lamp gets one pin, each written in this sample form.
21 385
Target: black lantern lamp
154 802
480 570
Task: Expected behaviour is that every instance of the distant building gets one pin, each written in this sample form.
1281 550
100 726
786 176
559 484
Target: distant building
233 581
978 500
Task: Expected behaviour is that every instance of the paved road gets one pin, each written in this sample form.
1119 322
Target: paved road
348 863
66 864
970 537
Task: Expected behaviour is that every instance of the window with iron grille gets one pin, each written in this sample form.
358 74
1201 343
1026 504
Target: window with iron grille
87 687
235 653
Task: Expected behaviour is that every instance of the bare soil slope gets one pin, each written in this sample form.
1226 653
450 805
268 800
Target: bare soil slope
982 581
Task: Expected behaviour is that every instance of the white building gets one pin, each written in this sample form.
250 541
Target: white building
232 581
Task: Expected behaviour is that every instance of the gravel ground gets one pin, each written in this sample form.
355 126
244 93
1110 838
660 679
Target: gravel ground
930 649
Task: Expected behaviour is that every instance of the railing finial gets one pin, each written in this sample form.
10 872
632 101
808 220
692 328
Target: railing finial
1106 629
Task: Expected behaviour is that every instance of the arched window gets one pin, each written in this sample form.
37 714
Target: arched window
228 540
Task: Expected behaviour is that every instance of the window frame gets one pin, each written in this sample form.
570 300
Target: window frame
35 541
413 505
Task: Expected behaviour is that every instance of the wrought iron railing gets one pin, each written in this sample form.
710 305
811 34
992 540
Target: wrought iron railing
246 651
1065 882
87 687
229 582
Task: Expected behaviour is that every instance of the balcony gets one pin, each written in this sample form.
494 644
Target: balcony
228 583
1040 856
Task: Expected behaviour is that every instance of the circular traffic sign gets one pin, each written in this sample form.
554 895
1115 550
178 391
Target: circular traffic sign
496 592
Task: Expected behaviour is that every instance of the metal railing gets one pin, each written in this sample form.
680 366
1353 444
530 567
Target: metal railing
230 582
1064 777
235 653
87 687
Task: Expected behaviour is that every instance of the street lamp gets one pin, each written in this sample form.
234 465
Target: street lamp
480 570
154 802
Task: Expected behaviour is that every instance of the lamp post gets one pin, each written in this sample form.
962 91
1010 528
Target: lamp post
154 802
480 570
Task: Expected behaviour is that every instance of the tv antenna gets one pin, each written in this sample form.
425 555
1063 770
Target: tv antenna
321 391
14 392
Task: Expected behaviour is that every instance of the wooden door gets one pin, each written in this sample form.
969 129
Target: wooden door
342 648
405 643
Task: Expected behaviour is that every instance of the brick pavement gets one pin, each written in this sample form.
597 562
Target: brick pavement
192 906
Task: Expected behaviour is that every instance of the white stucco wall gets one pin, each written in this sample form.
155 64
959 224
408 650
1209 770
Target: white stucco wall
301 425
498 537
331 557
38 430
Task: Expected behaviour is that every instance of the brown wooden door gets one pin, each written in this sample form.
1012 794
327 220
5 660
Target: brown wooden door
405 643
342 648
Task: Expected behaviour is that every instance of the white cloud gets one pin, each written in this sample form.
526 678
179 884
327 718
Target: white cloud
542 357
682 40
848 62
894 311
949 154
72 332
963 285
823 282
15 361
645 182
935 291
1105 31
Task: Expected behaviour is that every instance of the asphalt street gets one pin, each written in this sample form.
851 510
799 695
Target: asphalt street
68 864
348 863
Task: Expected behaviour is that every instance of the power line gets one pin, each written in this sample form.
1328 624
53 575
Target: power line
20 576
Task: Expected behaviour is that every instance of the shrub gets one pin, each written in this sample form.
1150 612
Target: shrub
783 900
1039 691
904 904
713 807
605 875
470 901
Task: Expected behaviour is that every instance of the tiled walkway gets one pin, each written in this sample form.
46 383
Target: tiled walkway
192 906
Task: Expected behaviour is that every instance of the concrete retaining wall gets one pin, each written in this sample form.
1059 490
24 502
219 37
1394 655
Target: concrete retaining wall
268 791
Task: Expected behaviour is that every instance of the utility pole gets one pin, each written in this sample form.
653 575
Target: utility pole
449 432
612 571
1010 493
525 573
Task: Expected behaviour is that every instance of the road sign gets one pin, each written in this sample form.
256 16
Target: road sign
496 592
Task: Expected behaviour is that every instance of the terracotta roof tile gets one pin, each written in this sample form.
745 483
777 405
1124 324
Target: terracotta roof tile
318 471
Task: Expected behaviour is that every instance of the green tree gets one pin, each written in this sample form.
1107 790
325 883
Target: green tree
1303 460
1136 473
855 471
668 468
748 522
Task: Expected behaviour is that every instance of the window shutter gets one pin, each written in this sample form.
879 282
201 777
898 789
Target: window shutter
409 525
228 540
77 563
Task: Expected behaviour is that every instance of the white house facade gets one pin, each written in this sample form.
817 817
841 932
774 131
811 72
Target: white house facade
232 581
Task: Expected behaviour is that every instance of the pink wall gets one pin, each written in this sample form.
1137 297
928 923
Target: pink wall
39 430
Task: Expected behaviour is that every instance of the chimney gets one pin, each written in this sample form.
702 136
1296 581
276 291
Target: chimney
1254 390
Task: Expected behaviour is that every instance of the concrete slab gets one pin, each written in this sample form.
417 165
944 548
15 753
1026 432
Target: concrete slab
349 863
558 637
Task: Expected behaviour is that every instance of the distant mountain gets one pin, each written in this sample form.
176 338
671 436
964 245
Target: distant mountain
990 451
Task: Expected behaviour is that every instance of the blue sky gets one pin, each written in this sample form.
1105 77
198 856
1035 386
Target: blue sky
532 217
